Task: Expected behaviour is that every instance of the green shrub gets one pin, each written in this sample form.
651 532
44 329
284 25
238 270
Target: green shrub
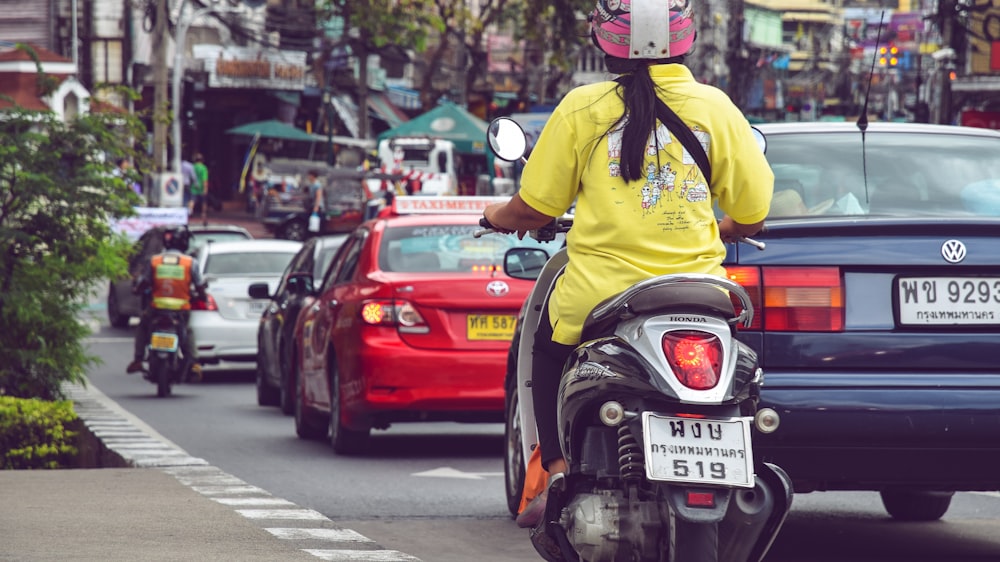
37 434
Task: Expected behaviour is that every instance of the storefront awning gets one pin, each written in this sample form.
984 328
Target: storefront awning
383 109
347 111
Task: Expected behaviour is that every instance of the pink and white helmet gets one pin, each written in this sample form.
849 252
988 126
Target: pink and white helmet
643 29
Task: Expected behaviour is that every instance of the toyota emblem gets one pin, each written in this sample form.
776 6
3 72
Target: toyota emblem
497 288
953 251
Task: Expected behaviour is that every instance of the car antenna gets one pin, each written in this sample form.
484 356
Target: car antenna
863 119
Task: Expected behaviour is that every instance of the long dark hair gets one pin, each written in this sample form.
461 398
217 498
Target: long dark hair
638 93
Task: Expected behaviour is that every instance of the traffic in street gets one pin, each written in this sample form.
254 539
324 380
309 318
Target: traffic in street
435 490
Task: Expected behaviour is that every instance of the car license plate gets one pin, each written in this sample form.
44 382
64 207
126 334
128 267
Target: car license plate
698 450
935 301
257 307
161 341
490 327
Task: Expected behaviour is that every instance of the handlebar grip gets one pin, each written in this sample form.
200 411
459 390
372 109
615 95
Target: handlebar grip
483 222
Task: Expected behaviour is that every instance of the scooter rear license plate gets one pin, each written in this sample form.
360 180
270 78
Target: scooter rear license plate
161 341
698 450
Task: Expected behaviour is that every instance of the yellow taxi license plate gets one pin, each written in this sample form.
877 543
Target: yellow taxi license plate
163 342
490 327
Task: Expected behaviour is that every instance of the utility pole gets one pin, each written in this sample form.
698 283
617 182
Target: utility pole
160 114
946 15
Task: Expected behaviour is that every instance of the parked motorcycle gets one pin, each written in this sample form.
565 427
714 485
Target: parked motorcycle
656 409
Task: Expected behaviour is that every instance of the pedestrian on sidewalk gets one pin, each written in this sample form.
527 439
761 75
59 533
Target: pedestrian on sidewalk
199 189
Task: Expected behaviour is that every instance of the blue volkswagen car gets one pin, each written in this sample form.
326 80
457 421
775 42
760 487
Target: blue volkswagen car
878 299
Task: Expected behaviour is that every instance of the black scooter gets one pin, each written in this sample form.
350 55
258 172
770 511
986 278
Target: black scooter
656 410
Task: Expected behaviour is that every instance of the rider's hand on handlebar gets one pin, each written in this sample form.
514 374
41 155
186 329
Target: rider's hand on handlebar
485 223
731 231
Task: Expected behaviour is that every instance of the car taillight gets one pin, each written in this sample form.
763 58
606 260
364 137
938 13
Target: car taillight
694 357
392 313
793 299
749 279
803 299
207 303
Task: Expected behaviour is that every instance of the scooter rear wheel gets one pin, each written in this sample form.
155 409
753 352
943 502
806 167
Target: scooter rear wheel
160 374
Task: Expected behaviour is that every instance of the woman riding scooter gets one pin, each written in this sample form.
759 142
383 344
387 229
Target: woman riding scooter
644 208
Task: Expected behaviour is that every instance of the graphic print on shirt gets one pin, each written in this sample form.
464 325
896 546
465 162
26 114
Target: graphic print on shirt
703 139
661 184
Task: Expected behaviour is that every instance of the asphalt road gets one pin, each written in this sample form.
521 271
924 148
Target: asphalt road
435 491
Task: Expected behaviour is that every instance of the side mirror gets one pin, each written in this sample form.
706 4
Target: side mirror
759 137
524 263
258 291
507 139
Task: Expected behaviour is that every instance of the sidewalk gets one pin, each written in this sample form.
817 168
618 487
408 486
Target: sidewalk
165 505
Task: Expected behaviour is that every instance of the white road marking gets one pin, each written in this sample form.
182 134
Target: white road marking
109 340
339 535
227 490
362 555
448 472
272 502
285 514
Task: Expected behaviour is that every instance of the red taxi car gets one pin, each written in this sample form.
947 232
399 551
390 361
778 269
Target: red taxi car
411 322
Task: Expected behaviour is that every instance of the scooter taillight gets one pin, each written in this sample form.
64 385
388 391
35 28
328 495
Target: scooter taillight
694 357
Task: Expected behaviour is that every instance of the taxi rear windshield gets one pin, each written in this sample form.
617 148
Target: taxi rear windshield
449 248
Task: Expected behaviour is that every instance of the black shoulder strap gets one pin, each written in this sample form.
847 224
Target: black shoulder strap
676 126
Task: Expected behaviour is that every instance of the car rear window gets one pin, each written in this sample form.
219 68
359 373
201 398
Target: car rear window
198 239
448 248
248 263
896 174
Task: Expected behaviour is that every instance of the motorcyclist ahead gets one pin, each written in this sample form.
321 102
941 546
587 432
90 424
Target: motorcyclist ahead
644 207
168 282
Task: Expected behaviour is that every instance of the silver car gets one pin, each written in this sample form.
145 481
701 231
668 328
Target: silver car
225 323
123 304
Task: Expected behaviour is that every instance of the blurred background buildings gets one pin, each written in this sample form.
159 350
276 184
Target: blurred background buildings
251 60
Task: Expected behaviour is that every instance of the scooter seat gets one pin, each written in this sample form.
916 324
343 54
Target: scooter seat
684 298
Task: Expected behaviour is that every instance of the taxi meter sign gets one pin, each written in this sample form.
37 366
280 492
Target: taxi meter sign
437 205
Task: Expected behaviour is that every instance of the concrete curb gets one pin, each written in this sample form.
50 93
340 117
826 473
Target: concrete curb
111 437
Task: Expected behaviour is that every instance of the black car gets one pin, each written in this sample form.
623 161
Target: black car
122 303
275 385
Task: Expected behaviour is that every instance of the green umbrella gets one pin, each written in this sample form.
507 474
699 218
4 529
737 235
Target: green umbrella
446 121
272 129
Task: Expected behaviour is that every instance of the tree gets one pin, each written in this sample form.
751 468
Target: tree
374 25
57 194
553 32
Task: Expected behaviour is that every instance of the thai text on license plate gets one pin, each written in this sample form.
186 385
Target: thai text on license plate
161 341
931 301
698 450
490 327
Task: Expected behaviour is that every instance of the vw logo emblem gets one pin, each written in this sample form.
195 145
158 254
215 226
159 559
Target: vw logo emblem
497 288
953 251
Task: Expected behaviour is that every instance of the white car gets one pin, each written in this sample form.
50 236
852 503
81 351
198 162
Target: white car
225 323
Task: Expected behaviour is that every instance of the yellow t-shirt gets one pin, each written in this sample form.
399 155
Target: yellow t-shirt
664 223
